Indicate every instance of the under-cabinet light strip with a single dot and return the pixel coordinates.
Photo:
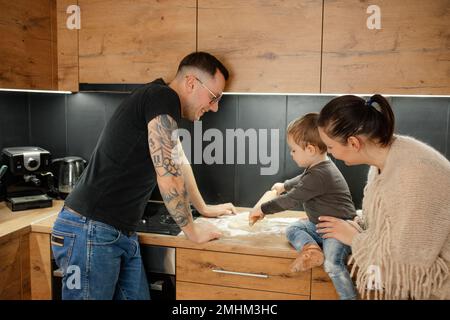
(35, 91)
(333, 94)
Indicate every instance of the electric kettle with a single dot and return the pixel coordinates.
(68, 170)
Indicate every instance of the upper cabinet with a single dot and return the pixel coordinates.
(134, 41)
(298, 46)
(26, 46)
(408, 54)
(66, 28)
(268, 46)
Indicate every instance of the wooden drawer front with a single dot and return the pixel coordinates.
(256, 272)
(196, 291)
(10, 279)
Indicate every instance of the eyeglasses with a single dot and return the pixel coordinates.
(215, 98)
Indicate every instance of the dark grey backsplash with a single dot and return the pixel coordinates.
(14, 119)
(72, 124)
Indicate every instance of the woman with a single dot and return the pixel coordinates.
(403, 251)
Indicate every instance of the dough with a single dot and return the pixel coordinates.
(240, 221)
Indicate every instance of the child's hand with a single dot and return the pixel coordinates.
(278, 187)
(255, 215)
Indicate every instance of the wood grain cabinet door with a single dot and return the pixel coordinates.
(241, 271)
(66, 45)
(10, 269)
(26, 45)
(134, 41)
(409, 54)
(268, 46)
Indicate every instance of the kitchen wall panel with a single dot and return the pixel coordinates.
(260, 112)
(48, 128)
(111, 101)
(14, 120)
(85, 121)
(40, 119)
(423, 118)
(270, 46)
(216, 181)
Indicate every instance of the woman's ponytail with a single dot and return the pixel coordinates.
(350, 115)
(385, 129)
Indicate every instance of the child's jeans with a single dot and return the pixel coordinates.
(303, 232)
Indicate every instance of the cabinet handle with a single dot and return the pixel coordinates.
(256, 275)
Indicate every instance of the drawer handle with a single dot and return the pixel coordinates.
(256, 275)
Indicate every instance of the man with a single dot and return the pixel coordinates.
(94, 239)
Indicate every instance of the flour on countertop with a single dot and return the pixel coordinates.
(237, 225)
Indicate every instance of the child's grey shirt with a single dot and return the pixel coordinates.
(323, 191)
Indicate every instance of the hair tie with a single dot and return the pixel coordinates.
(369, 102)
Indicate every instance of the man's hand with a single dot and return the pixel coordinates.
(278, 187)
(336, 228)
(255, 215)
(201, 232)
(212, 211)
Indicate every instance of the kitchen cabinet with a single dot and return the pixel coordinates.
(14, 266)
(25, 266)
(264, 262)
(307, 46)
(25, 270)
(131, 41)
(66, 46)
(269, 46)
(196, 291)
(203, 274)
(40, 266)
(26, 47)
(232, 270)
(410, 54)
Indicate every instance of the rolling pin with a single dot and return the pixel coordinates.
(269, 195)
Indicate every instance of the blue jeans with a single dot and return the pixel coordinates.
(97, 260)
(303, 232)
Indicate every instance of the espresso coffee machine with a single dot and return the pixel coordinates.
(27, 178)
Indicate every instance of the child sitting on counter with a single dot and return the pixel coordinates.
(323, 191)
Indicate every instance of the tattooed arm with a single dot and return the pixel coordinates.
(164, 151)
(194, 194)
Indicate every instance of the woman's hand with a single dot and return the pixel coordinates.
(212, 211)
(331, 227)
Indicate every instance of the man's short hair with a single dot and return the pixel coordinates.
(304, 131)
(205, 62)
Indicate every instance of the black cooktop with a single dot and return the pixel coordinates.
(157, 219)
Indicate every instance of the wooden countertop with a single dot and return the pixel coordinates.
(256, 244)
(12, 222)
(42, 220)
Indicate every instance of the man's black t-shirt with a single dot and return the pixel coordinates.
(116, 185)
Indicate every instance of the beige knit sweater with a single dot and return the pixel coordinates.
(406, 222)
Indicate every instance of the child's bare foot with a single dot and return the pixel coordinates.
(311, 256)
